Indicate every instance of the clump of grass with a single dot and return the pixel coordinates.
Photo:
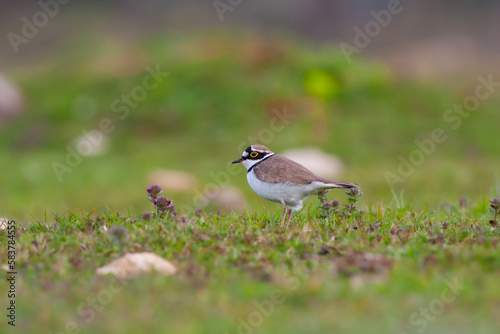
(495, 210)
(327, 209)
(351, 208)
(164, 206)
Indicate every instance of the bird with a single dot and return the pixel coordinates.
(279, 179)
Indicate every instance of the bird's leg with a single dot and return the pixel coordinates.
(288, 220)
(285, 211)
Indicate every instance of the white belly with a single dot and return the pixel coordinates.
(292, 195)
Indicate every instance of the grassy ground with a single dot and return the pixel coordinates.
(387, 270)
(427, 264)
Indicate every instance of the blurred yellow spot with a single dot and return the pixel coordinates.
(321, 84)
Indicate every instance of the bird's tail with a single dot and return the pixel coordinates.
(347, 185)
(337, 184)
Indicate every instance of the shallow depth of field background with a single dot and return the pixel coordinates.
(272, 72)
(224, 80)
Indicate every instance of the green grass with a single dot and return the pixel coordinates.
(372, 272)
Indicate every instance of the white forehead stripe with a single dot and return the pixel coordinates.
(245, 154)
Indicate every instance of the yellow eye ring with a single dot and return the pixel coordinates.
(254, 155)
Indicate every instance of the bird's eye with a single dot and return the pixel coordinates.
(254, 155)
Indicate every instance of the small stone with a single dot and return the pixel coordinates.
(318, 162)
(92, 143)
(3, 223)
(227, 199)
(133, 264)
(11, 100)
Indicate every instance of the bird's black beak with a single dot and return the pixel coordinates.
(237, 161)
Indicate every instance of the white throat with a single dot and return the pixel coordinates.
(249, 163)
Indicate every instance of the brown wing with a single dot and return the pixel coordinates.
(278, 169)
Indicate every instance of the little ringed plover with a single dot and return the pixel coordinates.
(282, 180)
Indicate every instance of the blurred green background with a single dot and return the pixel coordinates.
(267, 72)
(226, 82)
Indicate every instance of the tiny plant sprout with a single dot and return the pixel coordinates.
(153, 192)
(495, 210)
